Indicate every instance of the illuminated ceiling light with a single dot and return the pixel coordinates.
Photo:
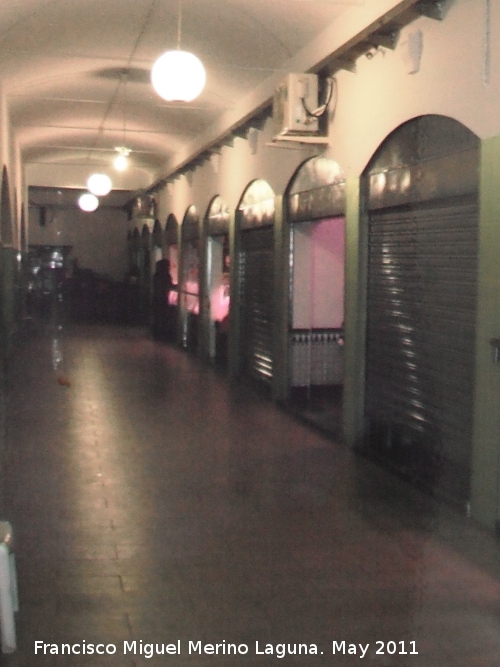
(99, 185)
(88, 202)
(120, 162)
(178, 76)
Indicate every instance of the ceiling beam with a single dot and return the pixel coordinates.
(101, 130)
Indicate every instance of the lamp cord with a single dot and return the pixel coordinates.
(124, 84)
(179, 26)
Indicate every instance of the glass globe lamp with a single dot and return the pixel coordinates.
(178, 76)
(99, 185)
(120, 162)
(88, 202)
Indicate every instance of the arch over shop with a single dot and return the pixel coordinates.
(316, 190)
(217, 216)
(190, 228)
(423, 221)
(171, 230)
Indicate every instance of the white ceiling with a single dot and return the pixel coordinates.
(76, 72)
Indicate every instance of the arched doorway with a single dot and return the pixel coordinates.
(215, 301)
(189, 284)
(422, 210)
(256, 256)
(315, 208)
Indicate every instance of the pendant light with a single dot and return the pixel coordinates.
(120, 163)
(99, 185)
(88, 202)
(178, 76)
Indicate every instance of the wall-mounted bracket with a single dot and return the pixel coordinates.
(346, 64)
(228, 141)
(388, 39)
(241, 132)
(433, 9)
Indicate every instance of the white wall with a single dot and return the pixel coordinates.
(372, 102)
(98, 238)
(318, 274)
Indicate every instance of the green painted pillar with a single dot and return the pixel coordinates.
(4, 329)
(234, 343)
(179, 335)
(7, 325)
(486, 432)
(203, 295)
(355, 312)
(8, 270)
(281, 302)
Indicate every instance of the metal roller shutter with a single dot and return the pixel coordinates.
(421, 306)
(257, 286)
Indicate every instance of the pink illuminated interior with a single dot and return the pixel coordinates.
(190, 278)
(219, 278)
(172, 255)
(173, 296)
(318, 274)
(191, 296)
(219, 303)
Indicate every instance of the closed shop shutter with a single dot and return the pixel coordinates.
(421, 307)
(256, 282)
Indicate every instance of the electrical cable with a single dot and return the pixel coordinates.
(321, 110)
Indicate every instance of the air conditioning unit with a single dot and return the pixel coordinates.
(296, 93)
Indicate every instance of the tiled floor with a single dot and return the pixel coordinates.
(153, 502)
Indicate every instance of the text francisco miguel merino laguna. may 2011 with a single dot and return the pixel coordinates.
(148, 650)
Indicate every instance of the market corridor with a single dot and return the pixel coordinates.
(153, 501)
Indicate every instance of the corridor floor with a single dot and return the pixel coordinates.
(153, 502)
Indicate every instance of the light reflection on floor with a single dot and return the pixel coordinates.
(153, 501)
